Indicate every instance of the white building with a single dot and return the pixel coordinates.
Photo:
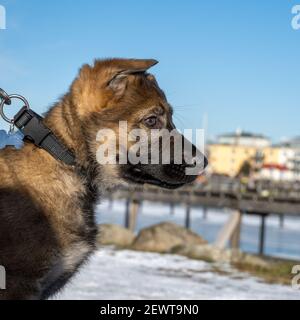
(244, 139)
(281, 162)
(277, 173)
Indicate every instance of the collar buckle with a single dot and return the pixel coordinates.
(31, 126)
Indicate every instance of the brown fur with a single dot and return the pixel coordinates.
(47, 227)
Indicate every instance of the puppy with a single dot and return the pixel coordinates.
(47, 225)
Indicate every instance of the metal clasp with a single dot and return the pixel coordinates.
(7, 100)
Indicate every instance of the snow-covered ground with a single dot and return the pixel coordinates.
(114, 274)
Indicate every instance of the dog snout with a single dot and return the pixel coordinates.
(200, 162)
(193, 157)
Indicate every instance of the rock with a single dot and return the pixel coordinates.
(255, 261)
(211, 253)
(163, 237)
(112, 234)
(207, 253)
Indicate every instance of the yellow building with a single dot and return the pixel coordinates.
(228, 159)
(272, 155)
(231, 151)
(282, 155)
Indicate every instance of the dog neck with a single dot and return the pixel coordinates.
(64, 122)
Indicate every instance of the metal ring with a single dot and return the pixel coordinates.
(12, 96)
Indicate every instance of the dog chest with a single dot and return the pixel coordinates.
(75, 255)
(63, 268)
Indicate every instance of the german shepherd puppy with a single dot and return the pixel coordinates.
(47, 226)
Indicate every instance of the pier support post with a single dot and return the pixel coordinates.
(204, 213)
(172, 208)
(127, 206)
(230, 231)
(281, 221)
(262, 234)
(132, 208)
(110, 203)
(236, 234)
(188, 216)
(140, 206)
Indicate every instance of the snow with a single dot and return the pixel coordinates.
(123, 274)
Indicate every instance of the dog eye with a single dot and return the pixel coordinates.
(151, 121)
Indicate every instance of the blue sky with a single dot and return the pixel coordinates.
(236, 61)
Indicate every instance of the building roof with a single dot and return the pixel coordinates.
(292, 143)
(243, 134)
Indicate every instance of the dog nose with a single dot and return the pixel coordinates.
(205, 162)
(199, 161)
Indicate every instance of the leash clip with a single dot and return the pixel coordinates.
(7, 100)
(33, 129)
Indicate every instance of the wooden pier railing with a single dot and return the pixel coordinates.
(230, 196)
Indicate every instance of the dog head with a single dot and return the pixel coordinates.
(117, 101)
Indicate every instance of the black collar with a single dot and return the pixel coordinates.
(31, 125)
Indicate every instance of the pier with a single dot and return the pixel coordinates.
(232, 196)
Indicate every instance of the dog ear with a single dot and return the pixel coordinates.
(118, 81)
(132, 66)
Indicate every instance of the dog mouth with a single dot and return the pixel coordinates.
(136, 175)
